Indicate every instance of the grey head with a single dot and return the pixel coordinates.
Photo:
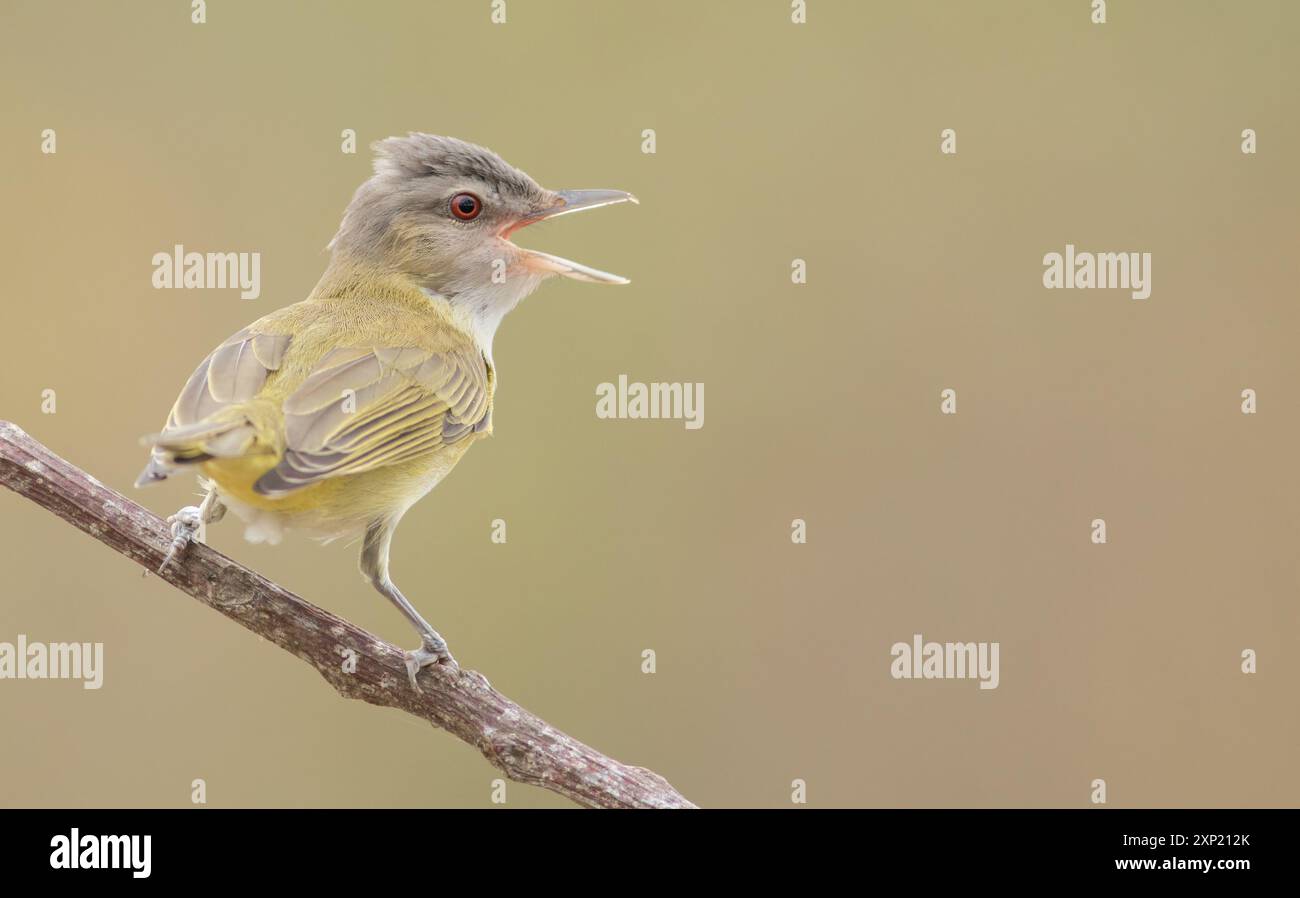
(441, 212)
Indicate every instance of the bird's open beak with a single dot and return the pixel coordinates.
(569, 201)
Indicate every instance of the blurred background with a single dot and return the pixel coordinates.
(775, 141)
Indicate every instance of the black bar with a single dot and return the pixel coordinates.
(213, 846)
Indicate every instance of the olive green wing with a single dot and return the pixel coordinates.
(232, 373)
(363, 408)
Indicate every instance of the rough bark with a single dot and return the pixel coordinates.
(522, 745)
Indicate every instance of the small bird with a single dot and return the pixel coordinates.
(334, 415)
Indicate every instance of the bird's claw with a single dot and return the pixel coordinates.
(431, 651)
(185, 524)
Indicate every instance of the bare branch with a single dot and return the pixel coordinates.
(525, 747)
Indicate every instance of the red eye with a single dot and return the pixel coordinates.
(466, 206)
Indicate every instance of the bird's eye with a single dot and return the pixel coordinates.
(466, 206)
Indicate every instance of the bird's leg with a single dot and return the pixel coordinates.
(433, 648)
(188, 522)
(374, 567)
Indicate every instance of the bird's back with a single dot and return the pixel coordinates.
(333, 411)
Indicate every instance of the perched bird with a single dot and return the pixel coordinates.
(333, 416)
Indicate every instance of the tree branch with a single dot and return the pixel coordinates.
(525, 747)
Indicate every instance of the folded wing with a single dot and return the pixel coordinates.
(364, 408)
(196, 429)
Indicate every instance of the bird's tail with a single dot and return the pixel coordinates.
(179, 447)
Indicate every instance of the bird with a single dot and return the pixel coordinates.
(333, 416)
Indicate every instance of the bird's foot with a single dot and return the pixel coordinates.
(432, 650)
(185, 526)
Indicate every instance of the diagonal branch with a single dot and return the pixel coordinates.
(525, 747)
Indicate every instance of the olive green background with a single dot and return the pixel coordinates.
(775, 142)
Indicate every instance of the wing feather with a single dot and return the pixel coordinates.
(366, 407)
(233, 372)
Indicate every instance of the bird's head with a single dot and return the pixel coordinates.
(441, 211)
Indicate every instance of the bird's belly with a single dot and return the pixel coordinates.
(333, 507)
